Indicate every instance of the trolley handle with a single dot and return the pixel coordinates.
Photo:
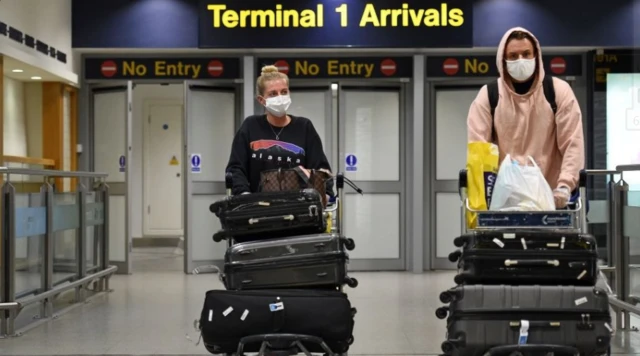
(577, 209)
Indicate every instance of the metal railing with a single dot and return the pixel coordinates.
(623, 227)
(35, 242)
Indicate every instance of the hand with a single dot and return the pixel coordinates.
(561, 196)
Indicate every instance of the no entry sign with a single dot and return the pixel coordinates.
(485, 66)
(162, 68)
(215, 68)
(388, 67)
(450, 66)
(558, 65)
(108, 68)
(282, 66)
(341, 67)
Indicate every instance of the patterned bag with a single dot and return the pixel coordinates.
(281, 180)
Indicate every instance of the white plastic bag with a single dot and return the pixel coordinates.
(521, 188)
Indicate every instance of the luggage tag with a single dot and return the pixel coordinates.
(274, 307)
(524, 332)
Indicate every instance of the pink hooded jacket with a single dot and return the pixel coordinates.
(525, 124)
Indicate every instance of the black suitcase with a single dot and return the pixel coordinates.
(229, 316)
(264, 215)
(526, 257)
(535, 319)
(302, 261)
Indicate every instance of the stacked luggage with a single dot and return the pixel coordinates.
(525, 291)
(285, 266)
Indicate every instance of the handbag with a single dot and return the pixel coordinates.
(282, 180)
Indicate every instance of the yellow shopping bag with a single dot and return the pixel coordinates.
(482, 168)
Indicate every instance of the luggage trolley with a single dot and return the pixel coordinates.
(280, 344)
(573, 219)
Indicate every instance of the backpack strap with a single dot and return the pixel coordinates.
(550, 92)
(494, 95)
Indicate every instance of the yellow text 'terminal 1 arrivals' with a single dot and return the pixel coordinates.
(312, 18)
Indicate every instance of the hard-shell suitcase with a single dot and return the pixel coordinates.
(264, 215)
(300, 261)
(229, 316)
(526, 257)
(530, 318)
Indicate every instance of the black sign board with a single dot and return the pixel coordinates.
(614, 62)
(342, 67)
(162, 68)
(335, 24)
(485, 66)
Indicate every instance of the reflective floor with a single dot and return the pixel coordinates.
(152, 312)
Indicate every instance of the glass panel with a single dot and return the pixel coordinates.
(92, 243)
(312, 105)
(632, 230)
(109, 133)
(372, 134)
(373, 221)
(29, 249)
(452, 108)
(448, 223)
(202, 229)
(65, 225)
(211, 121)
(117, 238)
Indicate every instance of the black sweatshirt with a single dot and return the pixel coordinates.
(255, 149)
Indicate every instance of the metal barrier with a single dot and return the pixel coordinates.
(35, 240)
(623, 219)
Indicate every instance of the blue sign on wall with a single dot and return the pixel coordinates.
(334, 23)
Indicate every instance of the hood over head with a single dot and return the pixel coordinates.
(538, 74)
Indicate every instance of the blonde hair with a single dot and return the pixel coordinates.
(268, 74)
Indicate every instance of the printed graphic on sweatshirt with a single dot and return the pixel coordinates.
(276, 151)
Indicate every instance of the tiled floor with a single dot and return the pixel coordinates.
(152, 312)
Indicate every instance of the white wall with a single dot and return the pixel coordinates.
(33, 116)
(47, 20)
(141, 94)
(15, 129)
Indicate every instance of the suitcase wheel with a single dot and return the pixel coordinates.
(442, 312)
(458, 279)
(446, 297)
(459, 241)
(349, 244)
(455, 256)
(351, 282)
(447, 347)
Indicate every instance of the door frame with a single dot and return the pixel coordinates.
(439, 186)
(191, 188)
(146, 158)
(334, 110)
(116, 188)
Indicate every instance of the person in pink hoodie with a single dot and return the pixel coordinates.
(523, 123)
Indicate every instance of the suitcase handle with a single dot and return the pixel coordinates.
(526, 348)
(532, 263)
(271, 218)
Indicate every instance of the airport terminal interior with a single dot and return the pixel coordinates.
(100, 101)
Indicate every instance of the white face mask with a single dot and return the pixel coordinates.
(521, 69)
(278, 105)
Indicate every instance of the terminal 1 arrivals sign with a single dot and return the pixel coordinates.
(485, 66)
(162, 68)
(335, 24)
(341, 67)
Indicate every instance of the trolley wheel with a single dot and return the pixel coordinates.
(349, 244)
(446, 297)
(352, 282)
(442, 312)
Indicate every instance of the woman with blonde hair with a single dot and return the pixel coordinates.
(275, 139)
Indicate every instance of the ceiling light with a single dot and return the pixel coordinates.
(17, 71)
(36, 78)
